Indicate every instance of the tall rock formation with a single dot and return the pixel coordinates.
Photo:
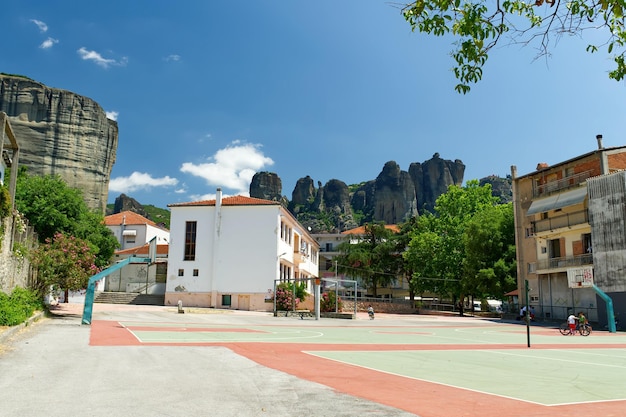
(62, 133)
(433, 177)
(126, 203)
(266, 185)
(394, 195)
(500, 187)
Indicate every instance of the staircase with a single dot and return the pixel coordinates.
(129, 298)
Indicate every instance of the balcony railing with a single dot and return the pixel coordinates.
(551, 187)
(561, 263)
(566, 220)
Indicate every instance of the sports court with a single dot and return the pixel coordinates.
(426, 365)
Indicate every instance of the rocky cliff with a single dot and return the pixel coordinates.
(393, 197)
(61, 133)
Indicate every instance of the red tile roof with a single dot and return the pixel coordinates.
(361, 230)
(128, 218)
(238, 200)
(143, 250)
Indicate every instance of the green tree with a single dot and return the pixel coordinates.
(478, 27)
(64, 262)
(436, 252)
(51, 206)
(490, 266)
(370, 257)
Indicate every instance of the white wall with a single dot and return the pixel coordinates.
(162, 235)
(241, 258)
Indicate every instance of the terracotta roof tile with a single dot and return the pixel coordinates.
(128, 218)
(361, 230)
(238, 200)
(143, 250)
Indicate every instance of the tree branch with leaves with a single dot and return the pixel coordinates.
(478, 26)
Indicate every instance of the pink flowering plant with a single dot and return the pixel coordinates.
(285, 295)
(329, 301)
(65, 262)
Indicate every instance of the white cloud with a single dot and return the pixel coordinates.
(112, 115)
(48, 43)
(172, 57)
(41, 25)
(232, 167)
(99, 59)
(139, 181)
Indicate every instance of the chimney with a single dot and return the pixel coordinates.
(218, 198)
(599, 139)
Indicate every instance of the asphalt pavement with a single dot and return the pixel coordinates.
(49, 369)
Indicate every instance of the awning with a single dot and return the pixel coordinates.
(557, 201)
(129, 233)
(512, 293)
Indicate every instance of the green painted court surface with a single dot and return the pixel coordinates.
(492, 358)
(548, 377)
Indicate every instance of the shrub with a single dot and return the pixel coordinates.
(18, 307)
(284, 297)
(327, 303)
(5, 202)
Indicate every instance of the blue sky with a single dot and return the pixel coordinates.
(206, 93)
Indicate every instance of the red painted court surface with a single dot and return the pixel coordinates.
(428, 367)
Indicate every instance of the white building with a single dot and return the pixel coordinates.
(228, 252)
(132, 229)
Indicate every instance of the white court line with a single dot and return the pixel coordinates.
(551, 359)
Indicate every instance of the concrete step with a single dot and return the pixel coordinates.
(129, 298)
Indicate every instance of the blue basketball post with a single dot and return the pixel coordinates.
(91, 285)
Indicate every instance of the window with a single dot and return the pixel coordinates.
(226, 300)
(181, 272)
(190, 241)
(195, 272)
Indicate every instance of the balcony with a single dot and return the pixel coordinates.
(544, 266)
(558, 222)
(544, 190)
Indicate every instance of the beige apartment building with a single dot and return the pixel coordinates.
(556, 236)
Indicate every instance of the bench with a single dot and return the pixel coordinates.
(302, 313)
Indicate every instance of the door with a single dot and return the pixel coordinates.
(243, 302)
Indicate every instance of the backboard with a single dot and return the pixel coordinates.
(580, 277)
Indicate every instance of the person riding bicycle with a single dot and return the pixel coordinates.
(571, 322)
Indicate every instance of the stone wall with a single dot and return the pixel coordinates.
(380, 307)
(15, 242)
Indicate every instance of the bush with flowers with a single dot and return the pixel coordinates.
(285, 295)
(328, 303)
(65, 262)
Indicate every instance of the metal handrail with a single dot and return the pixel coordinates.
(566, 220)
(552, 187)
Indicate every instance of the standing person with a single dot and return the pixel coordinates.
(370, 312)
(571, 322)
(582, 319)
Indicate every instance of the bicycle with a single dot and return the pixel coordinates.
(583, 329)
